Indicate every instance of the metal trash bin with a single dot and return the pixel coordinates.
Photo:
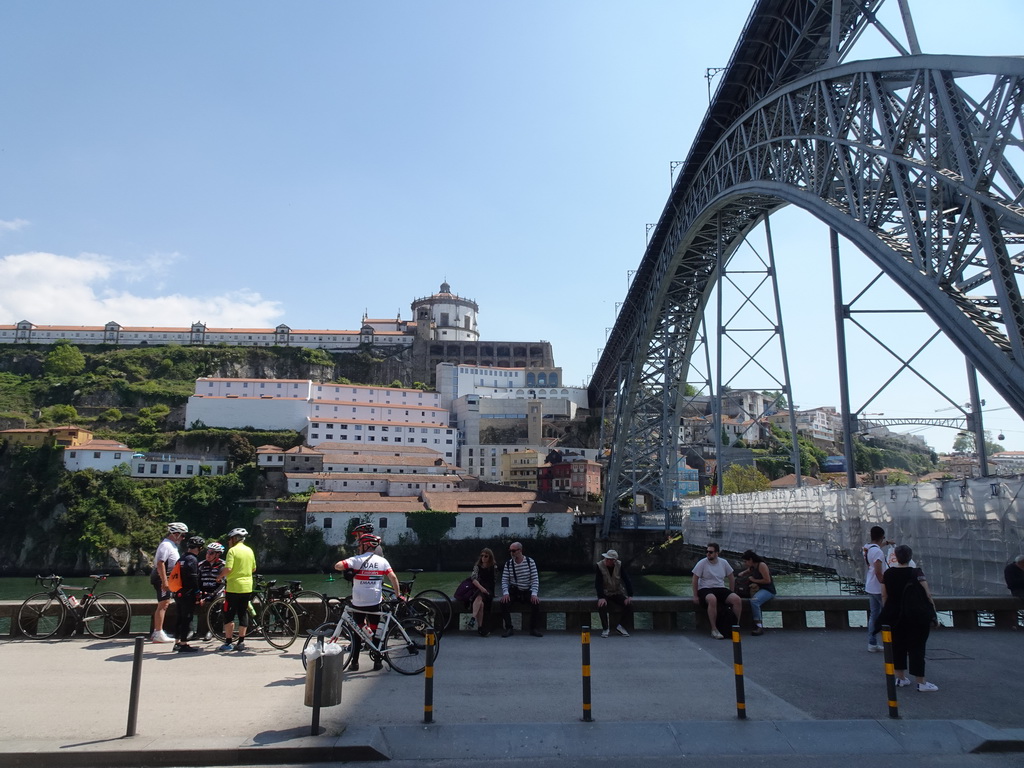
(330, 684)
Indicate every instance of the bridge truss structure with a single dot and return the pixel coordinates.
(917, 160)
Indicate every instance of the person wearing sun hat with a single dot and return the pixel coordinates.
(613, 586)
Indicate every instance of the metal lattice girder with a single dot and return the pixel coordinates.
(911, 159)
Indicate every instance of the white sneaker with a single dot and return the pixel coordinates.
(605, 632)
(717, 635)
(927, 687)
(903, 682)
(161, 637)
(875, 648)
(622, 631)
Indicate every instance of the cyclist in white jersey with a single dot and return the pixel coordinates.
(367, 570)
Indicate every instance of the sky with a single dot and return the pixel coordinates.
(245, 164)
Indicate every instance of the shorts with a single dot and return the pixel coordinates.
(721, 593)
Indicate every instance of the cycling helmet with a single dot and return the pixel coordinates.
(239, 532)
(196, 542)
(215, 546)
(362, 528)
(177, 528)
(369, 539)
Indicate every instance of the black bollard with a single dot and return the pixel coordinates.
(890, 673)
(428, 679)
(737, 662)
(585, 642)
(133, 696)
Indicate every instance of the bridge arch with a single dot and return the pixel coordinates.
(904, 158)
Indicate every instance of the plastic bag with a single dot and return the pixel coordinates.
(332, 649)
(312, 652)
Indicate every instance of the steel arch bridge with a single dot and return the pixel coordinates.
(916, 159)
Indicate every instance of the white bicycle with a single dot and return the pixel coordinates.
(402, 643)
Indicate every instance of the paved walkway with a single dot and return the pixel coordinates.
(654, 695)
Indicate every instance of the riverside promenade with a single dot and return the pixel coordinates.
(670, 696)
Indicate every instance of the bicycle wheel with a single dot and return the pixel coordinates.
(311, 607)
(280, 624)
(215, 618)
(344, 639)
(109, 615)
(421, 608)
(442, 604)
(406, 646)
(41, 616)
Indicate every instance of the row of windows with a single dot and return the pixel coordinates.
(373, 439)
(384, 427)
(478, 522)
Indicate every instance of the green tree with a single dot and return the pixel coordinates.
(964, 442)
(60, 414)
(429, 525)
(740, 479)
(65, 359)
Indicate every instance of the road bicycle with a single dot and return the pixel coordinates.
(271, 617)
(431, 604)
(401, 642)
(105, 615)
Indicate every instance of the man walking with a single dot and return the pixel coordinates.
(874, 558)
(237, 573)
(709, 590)
(613, 586)
(520, 583)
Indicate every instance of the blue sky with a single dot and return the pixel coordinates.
(251, 163)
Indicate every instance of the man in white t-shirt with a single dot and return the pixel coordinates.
(709, 588)
(874, 558)
(367, 571)
(163, 563)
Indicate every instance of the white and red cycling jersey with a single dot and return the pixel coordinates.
(370, 571)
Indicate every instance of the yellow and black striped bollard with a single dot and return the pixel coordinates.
(428, 679)
(890, 673)
(737, 663)
(585, 641)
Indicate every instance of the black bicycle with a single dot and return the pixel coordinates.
(271, 617)
(105, 615)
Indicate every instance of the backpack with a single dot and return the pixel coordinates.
(174, 578)
(915, 607)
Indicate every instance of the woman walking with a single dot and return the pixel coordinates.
(756, 572)
(908, 608)
(483, 580)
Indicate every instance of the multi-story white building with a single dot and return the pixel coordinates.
(107, 455)
(483, 516)
(325, 413)
(457, 380)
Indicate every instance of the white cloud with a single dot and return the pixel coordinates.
(50, 289)
(13, 226)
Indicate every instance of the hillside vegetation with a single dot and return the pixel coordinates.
(76, 522)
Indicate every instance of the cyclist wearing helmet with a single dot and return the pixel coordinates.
(364, 528)
(164, 560)
(368, 572)
(239, 567)
(210, 583)
(185, 598)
